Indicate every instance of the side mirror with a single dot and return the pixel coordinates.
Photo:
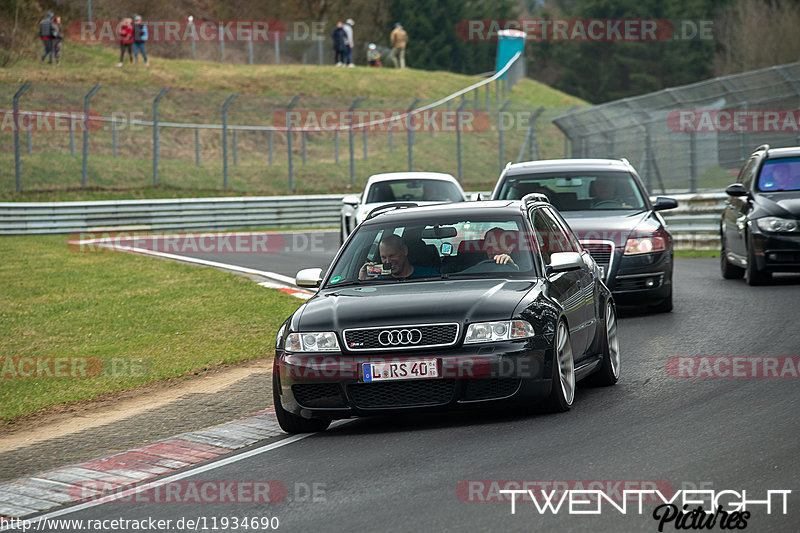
(351, 199)
(663, 203)
(475, 197)
(308, 277)
(737, 189)
(564, 262)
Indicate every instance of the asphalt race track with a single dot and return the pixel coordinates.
(429, 473)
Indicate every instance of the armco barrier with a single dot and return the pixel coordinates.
(694, 223)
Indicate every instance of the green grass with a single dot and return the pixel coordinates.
(198, 91)
(168, 317)
(696, 253)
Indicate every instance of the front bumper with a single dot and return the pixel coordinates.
(332, 387)
(776, 252)
(641, 279)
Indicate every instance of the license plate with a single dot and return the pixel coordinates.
(399, 370)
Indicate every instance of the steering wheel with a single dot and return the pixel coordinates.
(615, 203)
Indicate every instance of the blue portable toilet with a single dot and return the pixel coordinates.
(509, 42)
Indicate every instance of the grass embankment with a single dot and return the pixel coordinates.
(263, 90)
(123, 319)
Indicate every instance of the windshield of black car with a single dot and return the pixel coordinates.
(413, 190)
(475, 247)
(780, 175)
(578, 191)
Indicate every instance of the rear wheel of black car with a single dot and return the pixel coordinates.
(729, 271)
(291, 423)
(562, 391)
(752, 274)
(608, 374)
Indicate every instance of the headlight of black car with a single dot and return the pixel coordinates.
(498, 331)
(778, 224)
(324, 341)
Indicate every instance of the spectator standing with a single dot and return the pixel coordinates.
(139, 39)
(46, 34)
(399, 40)
(57, 39)
(339, 39)
(351, 43)
(125, 40)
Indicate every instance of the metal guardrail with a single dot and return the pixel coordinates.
(694, 223)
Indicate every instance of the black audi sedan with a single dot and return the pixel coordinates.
(445, 307)
(607, 206)
(760, 227)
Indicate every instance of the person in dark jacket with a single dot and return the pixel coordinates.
(125, 40)
(57, 39)
(139, 39)
(339, 39)
(46, 35)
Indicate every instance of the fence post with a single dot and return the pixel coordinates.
(29, 139)
(410, 122)
(336, 145)
(277, 49)
(488, 97)
(225, 140)
(71, 136)
(235, 149)
(458, 140)
(352, 155)
(197, 147)
(86, 100)
(113, 137)
(17, 170)
(304, 137)
(365, 144)
(270, 147)
(391, 136)
(289, 139)
(250, 50)
(500, 132)
(156, 141)
(319, 51)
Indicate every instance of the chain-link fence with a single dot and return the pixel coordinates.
(135, 137)
(693, 137)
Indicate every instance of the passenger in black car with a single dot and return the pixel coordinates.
(498, 247)
(394, 252)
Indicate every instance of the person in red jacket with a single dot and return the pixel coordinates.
(125, 40)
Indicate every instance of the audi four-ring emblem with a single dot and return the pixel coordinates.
(399, 337)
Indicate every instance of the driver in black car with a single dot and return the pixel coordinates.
(604, 192)
(497, 247)
(394, 252)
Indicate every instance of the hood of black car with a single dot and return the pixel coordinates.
(782, 204)
(414, 302)
(613, 226)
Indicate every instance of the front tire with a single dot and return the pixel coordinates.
(608, 374)
(290, 422)
(729, 271)
(562, 391)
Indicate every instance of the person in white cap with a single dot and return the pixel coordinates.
(348, 49)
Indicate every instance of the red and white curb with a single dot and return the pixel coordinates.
(69, 484)
(277, 281)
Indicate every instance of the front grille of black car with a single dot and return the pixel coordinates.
(432, 335)
(639, 282)
(318, 395)
(490, 388)
(601, 252)
(412, 393)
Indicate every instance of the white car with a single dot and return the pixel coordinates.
(421, 188)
